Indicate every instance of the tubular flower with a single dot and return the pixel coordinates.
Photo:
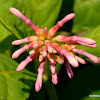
(55, 49)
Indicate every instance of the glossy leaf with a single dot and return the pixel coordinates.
(87, 15)
(6, 38)
(14, 85)
(4, 32)
(94, 34)
(41, 12)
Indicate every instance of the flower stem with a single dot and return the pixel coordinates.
(51, 91)
(50, 88)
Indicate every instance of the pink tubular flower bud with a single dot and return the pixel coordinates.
(88, 45)
(59, 24)
(60, 38)
(45, 33)
(38, 83)
(81, 41)
(54, 78)
(68, 68)
(32, 38)
(56, 47)
(25, 40)
(44, 51)
(48, 45)
(23, 64)
(90, 56)
(26, 20)
(37, 44)
(70, 58)
(65, 19)
(80, 60)
(34, 51)
(18, 42)
(53, 68)
(21, 50)
(85, 40)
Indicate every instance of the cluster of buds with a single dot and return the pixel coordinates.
(55, 49)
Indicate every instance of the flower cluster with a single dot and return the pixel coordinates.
(55, 49)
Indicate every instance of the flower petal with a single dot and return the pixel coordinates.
(38, 83)
(23, 64)
(90, 56)
(26, 20)
(68, 68)
(69, 57)
(59, 24)
(54, 78)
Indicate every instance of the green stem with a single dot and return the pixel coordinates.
(51, 91)
(50, 88)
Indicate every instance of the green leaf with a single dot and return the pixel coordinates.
(14, 85)
(6, 44)
(87, 15)
(6, 38)
(42, 13)
(4, 32)
(94, 34)
(85, 82)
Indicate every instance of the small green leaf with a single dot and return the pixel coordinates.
(42, 13)
(87, 15)
(94, 34)
(14, 85)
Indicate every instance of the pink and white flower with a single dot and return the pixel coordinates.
(55, 49)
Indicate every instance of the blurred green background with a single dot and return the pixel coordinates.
(20, 85)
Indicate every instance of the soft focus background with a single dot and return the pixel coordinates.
(20, 85)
